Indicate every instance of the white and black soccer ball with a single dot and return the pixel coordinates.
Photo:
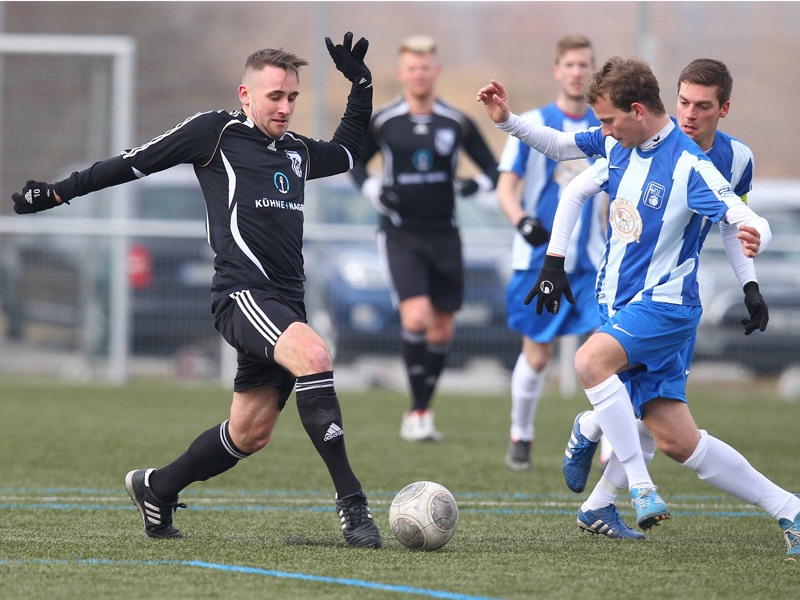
(423, 515)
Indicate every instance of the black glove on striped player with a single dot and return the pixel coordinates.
(533, 231)
(756, 307)
(349, 59)
(550, 286)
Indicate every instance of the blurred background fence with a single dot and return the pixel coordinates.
(116, 285)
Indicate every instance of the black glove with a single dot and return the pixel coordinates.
(550, 285)
(532, 231)
(349, 59)
(36, 196)
(466, 187)
(759, 313)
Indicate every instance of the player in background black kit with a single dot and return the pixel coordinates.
(252, 171)
(420, 137)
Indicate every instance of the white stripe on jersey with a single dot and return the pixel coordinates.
(667, 251)
(231, 177)
(256, 316)
(237, 236)
(134, 151)
(630, 189)
(742, 157)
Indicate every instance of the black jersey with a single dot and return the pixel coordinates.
(420, 157)
(253, 187)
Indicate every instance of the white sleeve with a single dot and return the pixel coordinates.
(743, 267)
(553, 143)
(574, 196)
(741, 214)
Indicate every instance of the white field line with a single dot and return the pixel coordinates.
(294, 500)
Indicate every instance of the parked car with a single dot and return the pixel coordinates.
(720, 335)
(63, 280)
(348, 295)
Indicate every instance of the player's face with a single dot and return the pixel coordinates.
(625, 127)
(268, 97)
(571, 70)
(699, 112)
(417, 73)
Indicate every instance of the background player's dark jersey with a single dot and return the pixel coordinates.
(420, 157)
(253, 188)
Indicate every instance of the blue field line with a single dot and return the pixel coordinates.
(212, 492)
(359, 583)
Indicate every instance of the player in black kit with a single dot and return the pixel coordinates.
(252, 171)
(420, 137)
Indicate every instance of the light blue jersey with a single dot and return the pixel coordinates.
(544, 179)
(659, 199)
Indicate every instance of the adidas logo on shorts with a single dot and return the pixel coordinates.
(333, 431)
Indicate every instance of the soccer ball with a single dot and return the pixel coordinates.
(423, 516)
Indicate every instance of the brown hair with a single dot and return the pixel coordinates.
(287, 61)
(625, 81)
(573, 42)
(707, 71)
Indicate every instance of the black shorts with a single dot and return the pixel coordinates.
(425, 263)
(252, 321)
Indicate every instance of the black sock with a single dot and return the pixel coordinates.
(211, 453)
(436, 355)
(321, 417)
(415, 356)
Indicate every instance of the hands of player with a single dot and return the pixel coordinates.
(751, 241)
(533, 231)
(495, 99)
(349, 59)
(466, 187)
(550, 286)
(371, 188)
(36, 196)
(756, 307)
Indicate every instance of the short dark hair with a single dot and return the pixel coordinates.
(625, 81)
(707, 71)
(572, 42)
(280, 58)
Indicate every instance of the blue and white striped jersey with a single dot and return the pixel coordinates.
(735, 161)
(659, 199)
(544, 179)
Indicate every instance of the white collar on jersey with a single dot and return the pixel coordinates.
(657, 138)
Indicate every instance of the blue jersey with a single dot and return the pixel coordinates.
(544, 179)
(659, 199)
(735, 161)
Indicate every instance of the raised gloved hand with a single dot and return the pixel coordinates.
(550, 286)
(756, 307)
(349, 59)
(36, 196)
(532, 231)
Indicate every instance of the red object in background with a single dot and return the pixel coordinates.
(140, 267)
